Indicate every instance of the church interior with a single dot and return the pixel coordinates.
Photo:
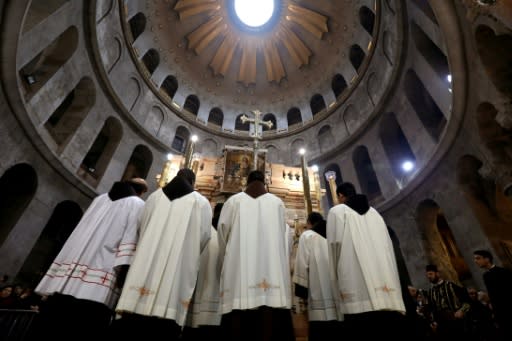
(409, 100)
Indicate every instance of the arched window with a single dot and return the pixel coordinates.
(271, 118)
(239, 125)
(366, 173)
(39, 11)
(356, 56)
(170, 86)
(180, 139)
(431, 52)
(424, 6)
(137, 25)
(68, 116)
(338, 84)
(424, 105)
(317, 104)
(192, 104)
(216, 117)
(18, 184)
(139, 164)
(99, 155)
(294, 116)
(151, 60)
(396, 147)
(367, 19)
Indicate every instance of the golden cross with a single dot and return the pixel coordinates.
(256, 134)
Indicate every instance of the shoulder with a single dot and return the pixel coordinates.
(201, 199)
(308, 234)
(338, 209)
(272, 197)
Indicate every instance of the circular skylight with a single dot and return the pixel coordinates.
(254, 13)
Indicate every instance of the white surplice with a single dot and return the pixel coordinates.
(163, 275)
(105, 238)
(205, 309)
(253, 246)
(312, 272)
(364, 270)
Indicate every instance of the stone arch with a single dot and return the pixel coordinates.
(294, 116)
(434, 56)
(192, 104)
(424, 6)
(133, 90)
(440, 245)
(180, 139)
(395, 145)
(295, 146)
(388, 46)
(40, 11)
(325, 138)
(338, 85)
(317, 104)
(366, 173)
(137, 25)
(496, 55)
(216, 117)
(270, 117)
(139, 163)
(330, 188)
(356, 56)
(19, 185)
(116, 52)
(424, 106)
(69, 115)
(367, 19)
(272, 153)
(170, 86)
(105, 8)
(151, 60)
(65, 217)
(154, 120)
(46, 63)
(100, 153)
(372, 87)
(209, 148)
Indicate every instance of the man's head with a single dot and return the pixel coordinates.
(256, 175)
(314, 218)
(472, 293)
(139, 185)
(187, 174)
(345, 191)
(432, 273)
(483, 259)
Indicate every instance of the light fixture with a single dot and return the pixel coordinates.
(407, 166)
(254, 13)
(31, 79)
(169, 157)
(314, 168)
(194, 138)
(449, 78)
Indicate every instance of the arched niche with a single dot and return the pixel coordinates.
(338, 85)
(36, 73)
(366, 173)
(272, 153)
(68, 116)
(39, 11)
(18, 184)
(139, 164)
(192, 104)
(434, 56)
(442, 249)
(294, 116)
(170, 86)
(396, 146)
(216, 117)
(424, 106)
(296, 145)
(62, 222)
(496, 54)
(154, 120)
(151, 60)
(317, 104)
(180, 140)
(367, 19)
(241, 126)
(101, 151)
(272, 118)
(137, 25)
(209, 148)
(356, 56)
(330, 189)
(424, 6)
(325, 138)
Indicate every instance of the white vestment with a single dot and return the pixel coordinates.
(105, 238)
(312, 272)
(205, 309)
(163, 275)
(253, 246)
(364, 270)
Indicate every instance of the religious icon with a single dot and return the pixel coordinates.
(237, 166)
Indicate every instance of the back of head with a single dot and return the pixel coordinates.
(314, 218)
(216, 214)
(484, 254)
(256, 175)
(139, 185)
(187, 174)
(347, 189)
(431, 268)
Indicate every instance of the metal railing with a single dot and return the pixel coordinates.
(15, 323)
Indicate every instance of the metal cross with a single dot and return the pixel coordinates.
(256, 132)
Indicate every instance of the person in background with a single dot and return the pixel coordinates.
(84, 281)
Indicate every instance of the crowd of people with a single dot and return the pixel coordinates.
(171, 266)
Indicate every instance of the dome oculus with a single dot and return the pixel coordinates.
(254, 13)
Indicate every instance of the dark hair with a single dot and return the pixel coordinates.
(485, 254)
(188, 175)
(216, 213)
(347, 189)
(314, 218)
(431, 267)
(256, 175)
(138, 188)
